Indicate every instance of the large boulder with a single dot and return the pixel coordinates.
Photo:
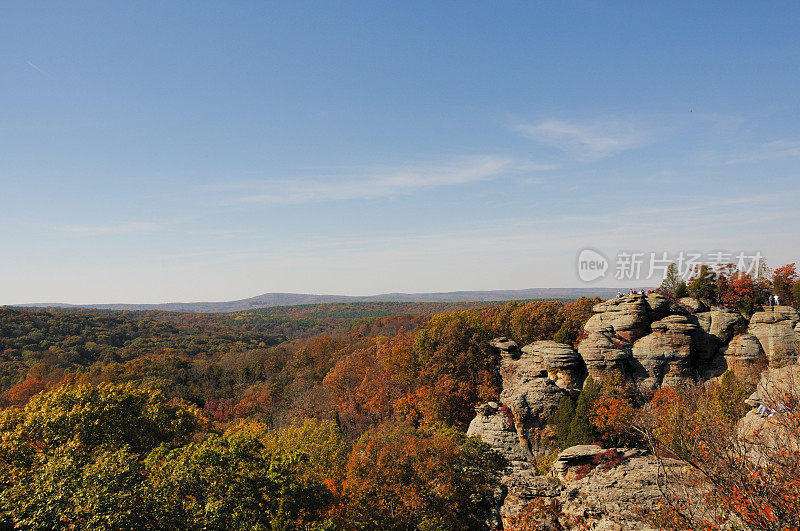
(657, 306)
(770, 433)
(505, 345)
(619, 496)
(589, 487)
(562, 362)
(689, 305)
(628, 316)
(605, 353)
(523, 487)
(575, 457)
(775, 329)
(715, 329)
(774, 385)
(494, 424)
(745, 357)
(530, 394)
(664, 357)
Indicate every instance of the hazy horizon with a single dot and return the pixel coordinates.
(177, 152)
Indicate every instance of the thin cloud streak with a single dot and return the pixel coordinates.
(385, 183)
(772, 150)
(133, 227)
(38, 69)
(589, 140)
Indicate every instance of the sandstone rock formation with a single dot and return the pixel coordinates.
(604, 352)
(690, 305)
(664, 357)
(657, 305)
(497, 428)
(651, 342)
(745, 357)
(591, 491)
(573, 457)
(530, 394)
(715, 330)
(775, 329)
(562, 363)
(628, 316)
(534, 380)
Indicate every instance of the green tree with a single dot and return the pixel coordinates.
(581, 430)
(72, 457)
(682, 290)
(233, 482)
(671, 281)
(565, 335)
(563, 419)
(703, 286)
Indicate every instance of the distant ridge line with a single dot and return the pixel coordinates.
(268, 300)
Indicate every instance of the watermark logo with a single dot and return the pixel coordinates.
(591, 265)
(652, 265)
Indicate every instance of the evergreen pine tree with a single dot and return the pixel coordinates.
(581, 430)
(682, 290)
(565, 335)
(563, 418)
(703, 285)
(671, 281)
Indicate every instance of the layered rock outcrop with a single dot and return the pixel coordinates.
(497, 427)
(604, 352)
(627, 316)
(715, 330)
(652, 343)
(776, 330)
(745, 357)
(534, 380)
(592, 488)
(562, 363)
(664, 357)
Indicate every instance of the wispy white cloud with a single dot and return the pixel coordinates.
(382, 182)
(589, 140)
(772, 150)
(133, 227)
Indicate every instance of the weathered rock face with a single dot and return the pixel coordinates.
(769, 433)
(652, 343)
(497, 428)
(718, 327)
(562, 363)
(715, 329)
(745, 357)
(657, 305)
(690, 305)
(774, 385)
(775, 329)
(505, 345)
(523, 487)
(620, 498)
(530, 394)
(592, 495)
(628, 316)
(568, 460)
(664, 357)
(604, 353)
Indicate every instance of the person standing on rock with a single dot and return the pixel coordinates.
(776, 300)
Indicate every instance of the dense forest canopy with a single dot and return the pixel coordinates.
(342, 416)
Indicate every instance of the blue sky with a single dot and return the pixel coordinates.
(180, 151)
